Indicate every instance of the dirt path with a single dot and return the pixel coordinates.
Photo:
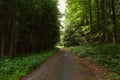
(66, 66)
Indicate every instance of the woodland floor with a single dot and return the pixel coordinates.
(67, 66)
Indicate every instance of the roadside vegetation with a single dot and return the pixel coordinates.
(15, 68)
(105, 54)
(26, 28)
(93, 27)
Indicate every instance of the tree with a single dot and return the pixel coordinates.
(91, 21)
(113, 15)
(27, 27)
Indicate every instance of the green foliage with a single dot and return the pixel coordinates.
(105, 54)
(89, 21)
(114, 76)
(77, 23)
(13, 69)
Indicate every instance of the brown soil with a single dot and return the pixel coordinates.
(67, 66)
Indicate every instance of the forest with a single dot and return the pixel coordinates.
(92, 21)
(26, 27)
(92, 31)
(30, 30)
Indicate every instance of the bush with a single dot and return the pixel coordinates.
(106, 54)
(13, 69)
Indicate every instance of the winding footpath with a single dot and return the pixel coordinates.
(67, 66)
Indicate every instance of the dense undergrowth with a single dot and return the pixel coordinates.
(13, 69)
(106, 54)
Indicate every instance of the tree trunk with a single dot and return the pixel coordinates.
(114, 21)
(90, 13)
(98, 13)
(103, 21)
(2, 44)
(3, 37)
(11, 40)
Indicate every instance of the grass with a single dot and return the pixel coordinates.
(14, 69)
(90, 78)
(106, 54)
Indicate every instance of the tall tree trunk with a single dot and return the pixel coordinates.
(114, 21)
(90, 13)
(2, 44)
(11, 37)
(98, 13)
(3, 37)
(103, 21)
